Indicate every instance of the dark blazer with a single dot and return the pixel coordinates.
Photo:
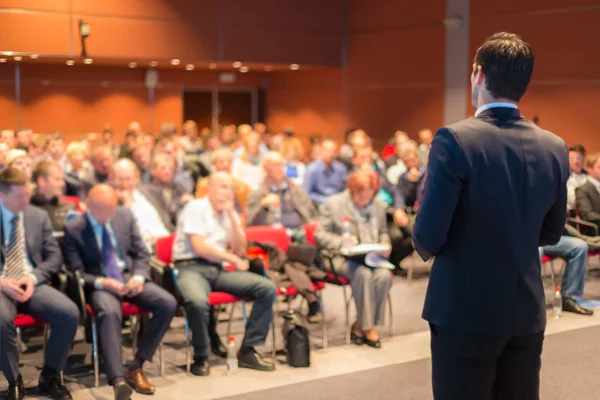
(42, 249)
(83, 254)
(168, 211)
(587, 199)
(495, 192)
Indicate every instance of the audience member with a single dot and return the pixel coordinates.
(31, 260)
(396, 166)
(228, 136)
(55, 148)
(325, 176)
(363, 159)
(406, 190)
(425, 139)
(168, 130)
(101, 160)
(140, 154)
(247, 167)
(578, 176)
(37, 146)
(182, 176)
(205, 229)
(49, 185)
(19, 159)
(105, 247)
(212, 142)
(367, 220)
(587, 195)
(23, 137)
(135, 127)
(131, 138)
(190, 141)
(7, 136)
(292, 151)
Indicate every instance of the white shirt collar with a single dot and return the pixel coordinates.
(495, 105)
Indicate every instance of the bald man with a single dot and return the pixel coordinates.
(105, 247)
(208, 235)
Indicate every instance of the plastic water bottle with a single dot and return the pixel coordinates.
(232, 360)
(346, 236)
(557, 305)
(277, 217)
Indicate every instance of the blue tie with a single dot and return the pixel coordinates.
(109, 257)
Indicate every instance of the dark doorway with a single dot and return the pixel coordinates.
(235, 107)
(197, 106)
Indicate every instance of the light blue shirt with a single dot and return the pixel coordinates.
(97, 228)
(495, 105)
(7, 216)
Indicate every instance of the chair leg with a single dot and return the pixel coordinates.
(347, 310)
(161, 358)
(188, 365)
(95, 353)
(411, 267)
(323, 324)
(45, 346)
(18, 330)
(244, 315)
(274, 328)
(389, 300)
(553, 274)
(135, 329)
(230, 319)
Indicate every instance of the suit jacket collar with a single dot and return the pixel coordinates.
(500, 113)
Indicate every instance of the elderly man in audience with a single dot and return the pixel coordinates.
(425, 139)
(101, 160)
(165, 195)
(30, 260)
(366, 216)
(182, 178)
(140, 154)
(151, 224)
(222, 160)
(325, 176)
(49, 180)
(7, 136)
(208, 235)
(578, 176)
(587, 196)
(23, 137)
(105, 247)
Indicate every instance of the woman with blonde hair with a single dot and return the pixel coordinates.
(293, 151)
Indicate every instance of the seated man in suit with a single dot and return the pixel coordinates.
(105, 246)
(205, 229)
(30, 260)
(587, 196)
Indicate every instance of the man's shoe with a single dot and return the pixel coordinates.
(16, 390)
(571, 305)
(200, 367)
(123, 391)
(315, 315)
(136, 379)
(52, 387)
(249, 358)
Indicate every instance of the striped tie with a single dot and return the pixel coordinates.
(15, 256)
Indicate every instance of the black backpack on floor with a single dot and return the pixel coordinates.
(297, 342)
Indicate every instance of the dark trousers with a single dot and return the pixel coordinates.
(196, 281)
(107, 307)
(47, 304)
(474, 367)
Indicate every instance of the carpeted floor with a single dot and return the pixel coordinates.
(570, 372)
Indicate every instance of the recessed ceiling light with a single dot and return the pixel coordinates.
(2, 60)
(175, 61)
(34, 56)
(294, 67)
(237, 64)
(244, 69)
(18, 58)
(88, 61)
(153, 63)
(212, 66)
(70, 63)
(190, 67)
(8, 53)
(132, 64)
(268, 68)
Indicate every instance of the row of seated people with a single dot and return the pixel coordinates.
(104, 245)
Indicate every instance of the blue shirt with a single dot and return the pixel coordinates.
(321, 182)
(7, 216)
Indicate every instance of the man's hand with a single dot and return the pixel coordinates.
(387, 252)
(186, 197)
(10, 287)
(134, 287)
(241, 264)
(271, 200)
(400, 218)
(414, 174)
(114, 286)
(28, 283)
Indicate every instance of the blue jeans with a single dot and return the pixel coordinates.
(574, 251)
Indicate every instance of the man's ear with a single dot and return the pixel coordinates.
(478, 74)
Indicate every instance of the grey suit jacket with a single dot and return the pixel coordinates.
(168, 211)
(587, 199)
(42, 249)
(330, 227)
(83, 254)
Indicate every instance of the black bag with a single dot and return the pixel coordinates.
(297, 342)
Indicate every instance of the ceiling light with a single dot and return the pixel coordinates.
(237, 64)
(8, 53)
(34, 56)
(2, 60)
(268, 68)
(190, 67)
(244, 69)
(294, 67)
(153, 63)
(88, 61)
(18, 58)
(212, 66)
(132, 64)
(175, 61)
(70, 63)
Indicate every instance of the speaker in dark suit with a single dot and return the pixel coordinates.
(30, 260)
(105, 246)
(495, 192)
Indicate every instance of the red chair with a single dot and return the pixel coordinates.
(388, 151)
(23, 321)
(547, 259)
(73, 200)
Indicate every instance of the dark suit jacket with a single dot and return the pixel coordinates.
(168, 211)
(587, 198)
(83, 254)
(495, 192)
(42, 249)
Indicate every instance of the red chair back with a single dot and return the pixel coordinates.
(265, 234)
(164, 248)
(388, 151)
(73, 200)
(309, 230)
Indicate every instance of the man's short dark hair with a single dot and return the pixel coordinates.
(10, 177)
(578, 148)
(43, 169)
(130, 133)
(507, 62)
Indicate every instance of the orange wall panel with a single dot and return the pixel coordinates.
(390, 15)
(36, 5)
(507, 7)
(150, 9)
(38, 33)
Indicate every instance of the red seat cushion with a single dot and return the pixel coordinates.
(594, 253)
(336, 279)
(546, 259)
(127, 309)
(24, 320)
(216, 298)
(292, 290)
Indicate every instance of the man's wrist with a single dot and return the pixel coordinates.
(98, 284)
